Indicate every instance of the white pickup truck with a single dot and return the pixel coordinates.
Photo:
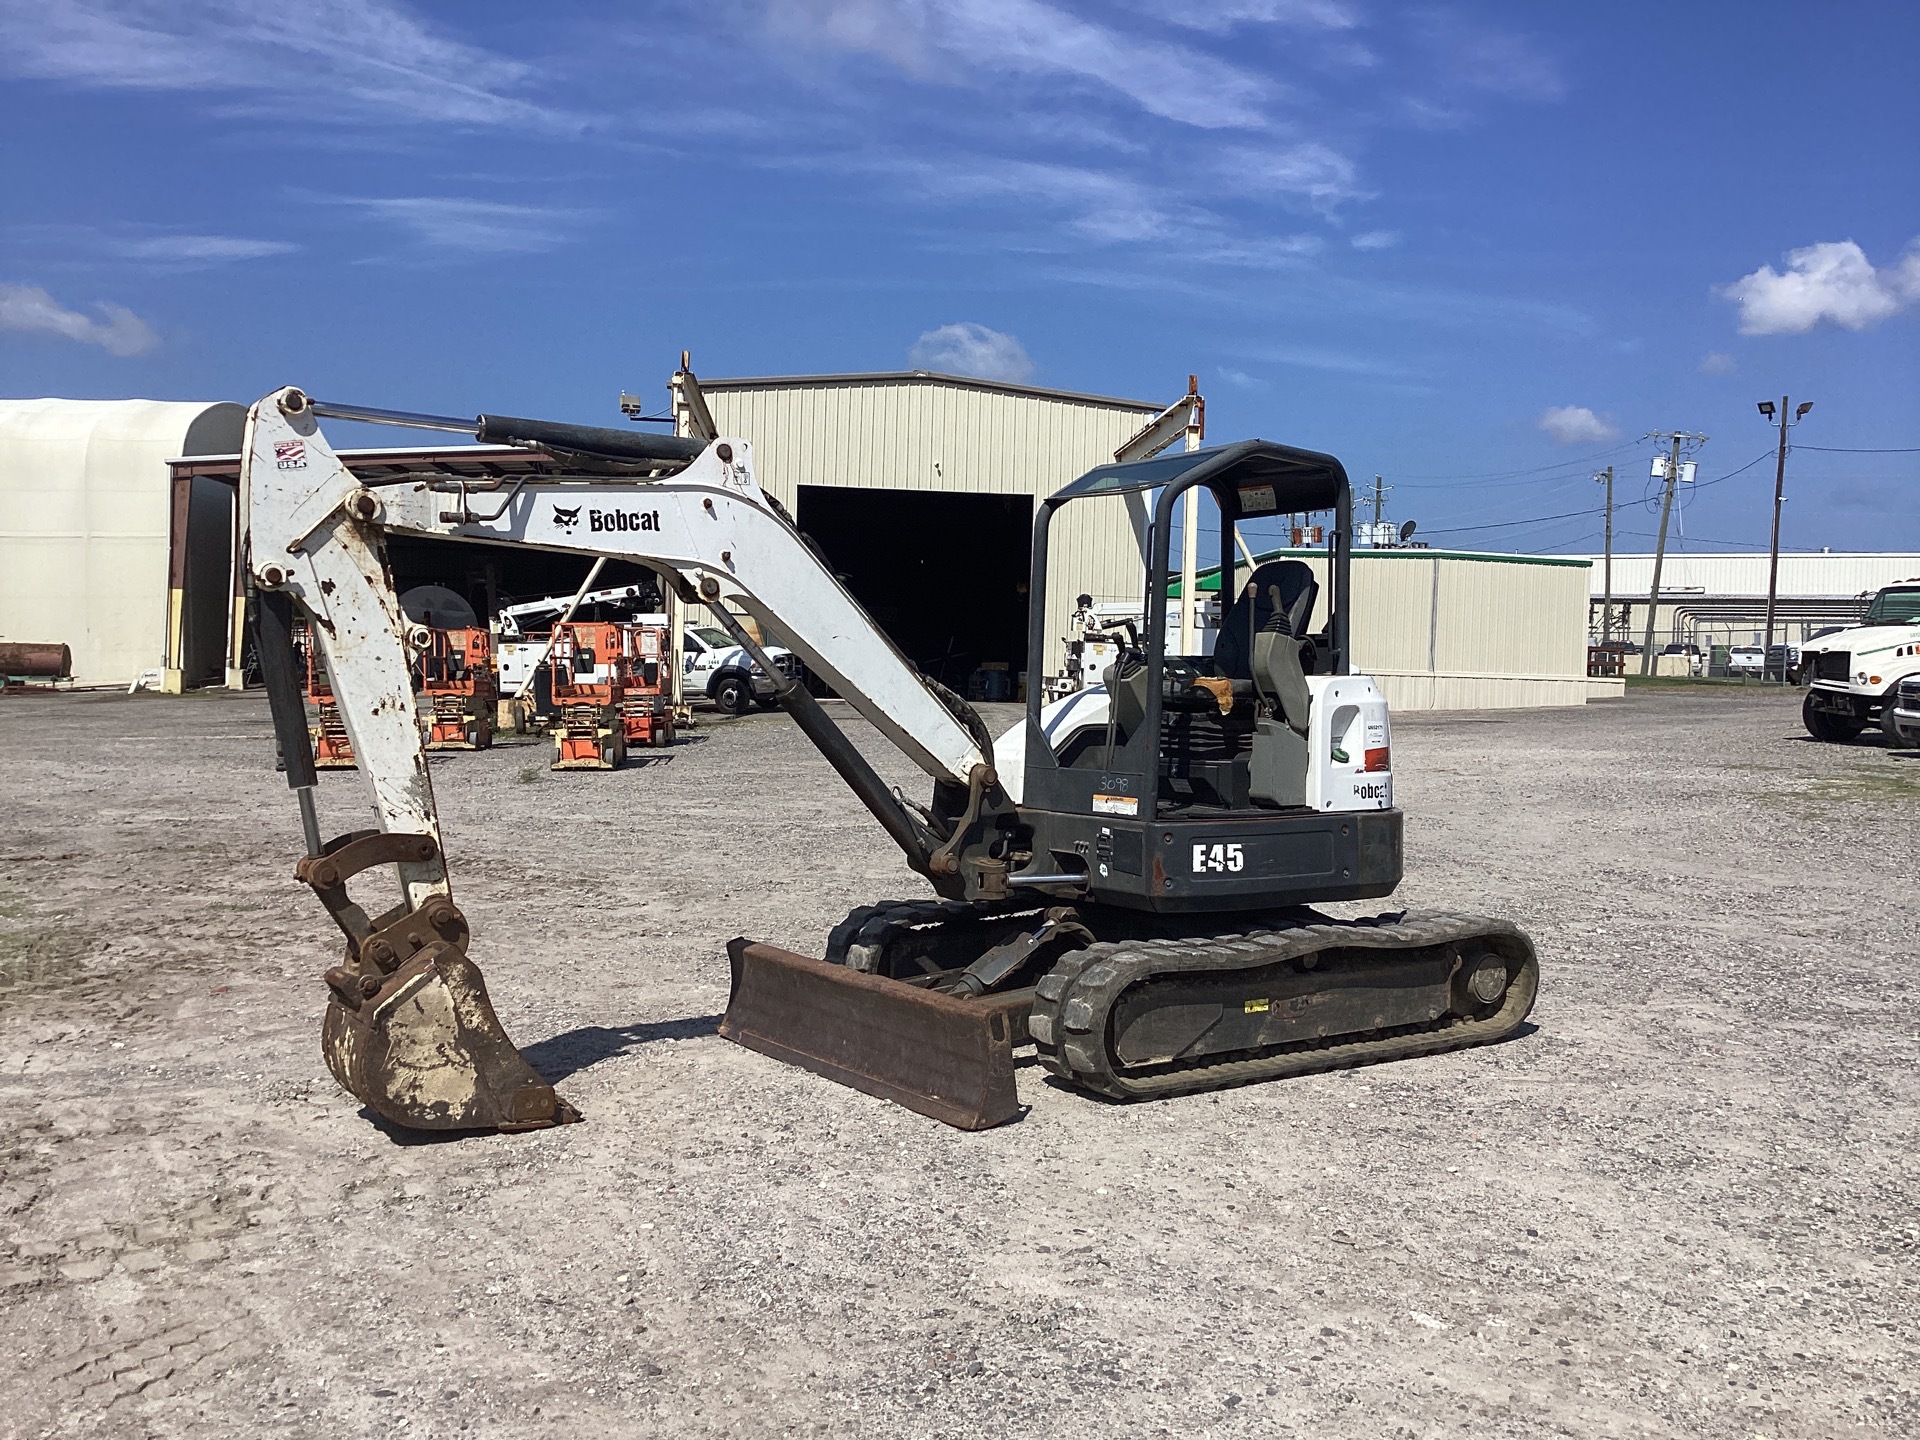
(1852, 675)
(726, 675)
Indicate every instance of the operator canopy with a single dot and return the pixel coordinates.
(1266, 478)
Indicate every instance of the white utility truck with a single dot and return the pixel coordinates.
(713, 665)
(1852, 675)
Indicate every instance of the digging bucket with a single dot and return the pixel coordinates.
(409, 1030)
(427, 1052)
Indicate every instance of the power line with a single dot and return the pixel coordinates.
(1576, 461)
(1855, 450)
(1510, 524)
(1573, 514)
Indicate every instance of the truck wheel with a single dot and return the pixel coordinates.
(733, 694)
(1824, 725)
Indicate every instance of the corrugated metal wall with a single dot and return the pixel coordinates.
(1443, 630)
(1833, 576)
(923, 433)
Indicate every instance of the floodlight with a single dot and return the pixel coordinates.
(1766, 408)
(1800, 412)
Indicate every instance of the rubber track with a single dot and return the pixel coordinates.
(1075, 1000)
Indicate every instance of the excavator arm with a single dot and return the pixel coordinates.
(410, 1029)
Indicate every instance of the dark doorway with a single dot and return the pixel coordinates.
(944, 574)
(493, 575)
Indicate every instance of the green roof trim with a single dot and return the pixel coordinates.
(1207, 582)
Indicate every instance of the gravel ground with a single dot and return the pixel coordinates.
(1683, 1203)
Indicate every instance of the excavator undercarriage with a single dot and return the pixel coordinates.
(1126, 880)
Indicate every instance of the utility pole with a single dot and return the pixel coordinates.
(1678, 438)
(1606, 603)
(1379, 503)
(1773, 554)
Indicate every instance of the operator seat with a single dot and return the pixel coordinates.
(1260, 639)
(1248, 615)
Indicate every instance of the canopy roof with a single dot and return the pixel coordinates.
(1302, 481)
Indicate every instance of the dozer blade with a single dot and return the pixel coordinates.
(426, 1051)
(943, 1056)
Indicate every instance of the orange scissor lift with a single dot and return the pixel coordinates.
(587, 664)
(646, 706)
(332, 750)
(457, 678)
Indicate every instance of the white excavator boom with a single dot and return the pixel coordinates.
(710, 525)
(411, 1031)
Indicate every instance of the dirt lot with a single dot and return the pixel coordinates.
(1684, 1204)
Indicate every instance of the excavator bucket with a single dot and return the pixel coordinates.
(427, 1052)
(944, 1056)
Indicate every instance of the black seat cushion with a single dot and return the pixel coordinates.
(1249, 614)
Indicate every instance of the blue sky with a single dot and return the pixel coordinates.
(1481, 249)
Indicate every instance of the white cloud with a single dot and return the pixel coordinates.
(1718, 363)
(326, 60)
(486, 227)
(1376, 240)
(31, 310)
(1240, 379)
(1314, 171)
(1832, 280)
(937, 39)
(194, 249)
(1221, 16)
(1577, 425)
(1472, 56)
(969, 349)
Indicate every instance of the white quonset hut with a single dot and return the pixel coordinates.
(99, 550)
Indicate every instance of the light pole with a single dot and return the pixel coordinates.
(1606, 602)
(1773, 555)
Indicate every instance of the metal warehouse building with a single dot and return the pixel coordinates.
(1722, 599)
(921, 489)
(116, 523)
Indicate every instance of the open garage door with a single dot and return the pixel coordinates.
(945, 574)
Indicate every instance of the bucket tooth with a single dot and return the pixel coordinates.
(940, 1055)
(427, 1052)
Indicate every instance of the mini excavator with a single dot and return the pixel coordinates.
(1123, 879)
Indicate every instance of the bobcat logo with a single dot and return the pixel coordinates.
(566, 519)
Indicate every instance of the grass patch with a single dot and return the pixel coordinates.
(36, 959)
(1699, 682)
(1858, 785)
(530, 773)
(1888, 784)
